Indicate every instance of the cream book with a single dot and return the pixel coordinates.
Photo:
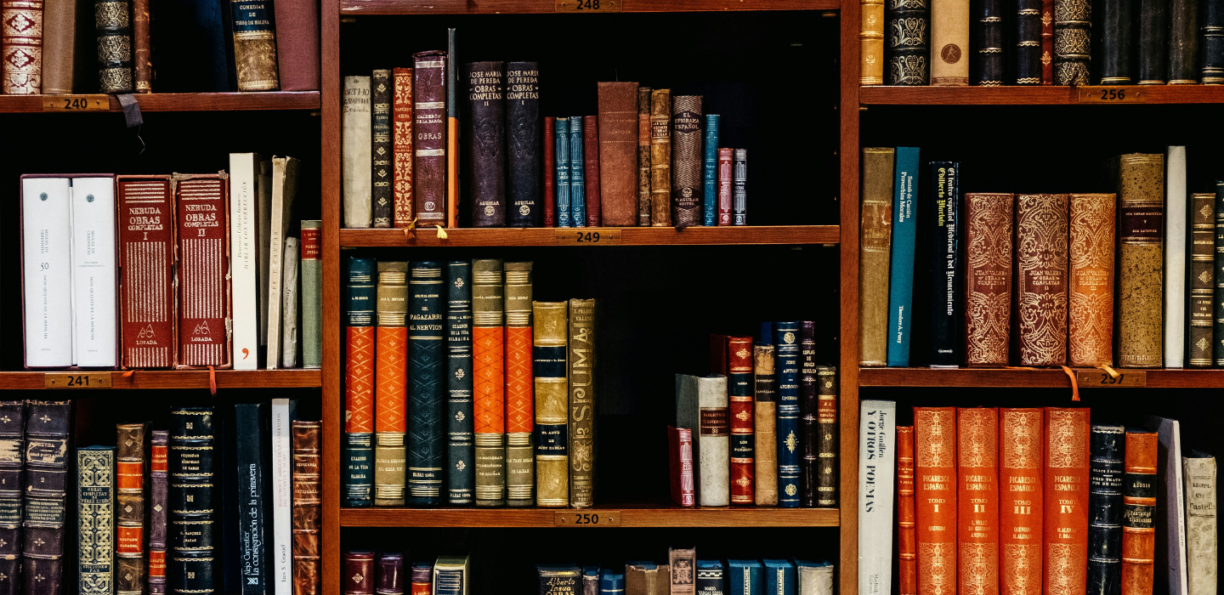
(46, 239)
(244, 258)
(289, 307)
(284, 189)
(95, 292)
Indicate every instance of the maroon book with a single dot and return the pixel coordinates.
(359, 570)
(550, 172)
(297, 44)
(203, 269)
(725, 179)
(430, 123)
(1047, 42)
(680, 465)
(590, 153)
(718, 355)
(148, 322)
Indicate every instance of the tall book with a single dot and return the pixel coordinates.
(297, 45)
(381, 176)
(283, 413)
(245, 244)
(46, 480)
(808, 403)
(644, 156)
(358, 183)
(114, 35)
(1202, 561)
(1201, 323)
(523, 158)
(426, 401)
(1184, 55)
(710, 211)
(989, 43)
(1140, 322)
(307, 507)
(877, 442)
(194, 498)
(713, 468)
(686, 160)
(429, 122)
(1170, 510)
(21, 46)
(96, 519)
(977, 497)
(12, 469)
(549, 352)
(1212, 44)
(988, 278)
(1072, 42)
(460, 445)
(949, 43)
(391, 388)
(130, 509)
(786, 342)
(486, 133)
(582, 389)
(488, 366)
(618, 153)
(765, 396)
(871, 40)
(901, 283)
(520, 420)
(1218, 331)
(450, 575)
(453, 73)
(1090, 291)
(739, 207)
(577, 172)
(660, 158)
(252, 430)
(401, 147)
(1020, 504)
(263, 185)
(726, 181)
(550, 171)
(591, 160)
(203, 269)
(159, 507)
(94, 311)
(875, 243)
(682, 563)
(146, 249)
(1140, 497)
(360, 299)
(1041, 279)
(1027, 35)
(1067, 439)
(312, 293)
(254, 40)
(289, 304)
(680, 466)
(936, 496)
(390, 576)
(1105, 510)
(564, 214)
(1047, 42)
(945, 265)
(58, 44)
(46, 236)
(1114, 40)
(1175, 256)
(743, 447)
(907, 526)
(284, 191)
(908, 42)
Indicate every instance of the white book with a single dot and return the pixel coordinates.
(1175, 258)
(1202, 552)
(1171, 576)
(284, 190)
(95, 316)
(244, 258)
(715, 467)
(283, 411)
(877, 470)
(289, 309)
(46, 229)
(358, 165)
(265, 230)
(814, 578)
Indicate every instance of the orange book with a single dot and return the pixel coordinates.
(908, 544)
(391, 388)
(392, 393)
(1020, 501)
(519, 381)
(1067, 435)
(977, 519)
(1139, 507)
(488, 343)
(935, 497)
(359, 381)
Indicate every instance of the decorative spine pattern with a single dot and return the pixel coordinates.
(550, 171)
(358, 573)
(1202, 282)
(988, 278)
(159, 507)
(786, 340)
(644, 150)
(390, 396)
(1141, 261)
(461, 453)
(21, 37)
(1218, 331)
(936, 497)
(486, 141)
(549, 352)
(1139, 489)
(360, 302)
(990, 43)
(581, 370)
(577, 170)
(909, 30)
(765, 433)
(426, 328)
(1066, 501)
(401, 150)
(978, 500)
(380, 148)
(488, 345)
(520, 462)
(193, 501)
(1028, 42)
(710, 211)
(808, 403)
(113, 21)
(725, 182)
(1047, 42)
(1072, 42)
(12, 457)
(739, 208)
(307, 506)
(739, 391)
(1213, 42)
(564, 216)
(203, 269)
(593, 196)
(875, 243)
(1041, 284)
(906, 521)
(686, 160)
(43, 511)
(871, 37)
(660, 158)
(429, 122)
(827, 440)
(130, 508)
(1091, 299)
(142, 67)
(96, 519)
(254, 38)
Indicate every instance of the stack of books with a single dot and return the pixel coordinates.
(684, 573)
(370, 572)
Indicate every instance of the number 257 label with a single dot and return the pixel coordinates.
(587, 6)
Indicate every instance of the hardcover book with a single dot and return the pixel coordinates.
(94, 311)
(871, 40)
(380, 152)
(1184, 58)
(391, 392)
(907, 527)
(1067, 438)
(714, 437)
(401, 147)
(1047, 42)
(682, 565)
(744, 577)
(559, 579)
(591, 160)
(808, 403)
(252, 429)
(1175, 257)
(203, 269)
(159, 507)
(289, 304)
(550, 171)
(619, 126)
(390, 573)
(452, 74)
(1105, 509)
(549, 352)
(945, 265)
(577, 171)
(739, 206)
(307, 507)
(645, 578)
(786, 340)
(488, 367)
(1199, 343)
(246, 247)
(908, 42)
(129, 509)
(1199, 474)
(21, 46)
(357, 158)
(1072, 42)
(688, 417)
(1027, 37)
(875, 243)
(460, 447)
(680, 465)
(283, 413)
(765, 417)
(426, 400)
(877, 435)
(96, 519)
(297, 44)
(739, 388)
(284, 191)
(686, 160)
(813, 578)
(359, 569)
(1041, 279)
(1140, 323)
(58, 44)
(486, 134)
(779, 577)
(12, 471)
(1116, 33)
(193, 500)
(710, 211)
(1091, 299)
(312, 293)
(429, 122)
(113, 25)
(564, 214)
(726, 181)
(1021, 465)
(989, 43)
(1170, 511)
(1212, 44)
(1139, 496)
(1153, 49)
(582, 389)
(949, 43)
(1218, 330)
(905, 230)
(936, 497)
(988, 278)
(360, 299)
(660, 158)
(520, 459)
(46, 237)
(710, 577)
(644, 148)
(977, 495)
(450, 575)
(421, 578)
(523, 200)
(254, 39)
(44, 507)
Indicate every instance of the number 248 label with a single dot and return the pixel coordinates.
(587, 6)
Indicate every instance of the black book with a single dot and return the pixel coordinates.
(1114, 47)
(945, 266)
(523, 146)
(46, 474)
(827, 440)
(1028, 42)
(989, 42)
(380, 148)
(485, 137)
(1183, 42)
(1108, 445)
(1213, 42)
(193, 500)
(12, 457)
(1218, 331)
(253, 464)
(909, 38)
(1153, 42)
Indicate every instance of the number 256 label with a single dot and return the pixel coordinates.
(587, 6)
(1128, 94)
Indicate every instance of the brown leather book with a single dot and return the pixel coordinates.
(1140, 307)
(1067, 460)
(935, 497)
(307, 507)
(141, 47)
(765, 393)
(907, 526)
(687, 160)
(401, 149)
(1139, 513)
(875, 238)
(619, 168)
(988, 278)
(977, 522)
(297, 44)
(1202, 282)
(1020, 502)
(643, 133)
(1041, 279)
(871, 36)
(59, 36)
(255, 46)
(660, 158)
(590, 157)
(1091, 300)
(429, 124)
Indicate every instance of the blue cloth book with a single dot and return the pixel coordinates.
(779, 577)
(901, 279)
(611, 582)
(460, 446)
(744, 577)
(577, 179)
(710, 211)
(564, 218)
(787, 352)
(711, 580)
(360, 297)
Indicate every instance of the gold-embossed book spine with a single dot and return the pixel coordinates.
(549, 351)
(21, 45)
(1041, 279)
(1140, 307)
(254, 45)
(582, 403)
(660, 158)
(988, 278)
(1091, 302)
(871, 37)
(1202, 279)
(874, 243)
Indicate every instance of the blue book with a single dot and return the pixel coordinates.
(711, 170)
(426, 389)
(787, 352)
(901, 280)
(360, 298)
(711, 579)
(779, 577)
(744, 577)
(563, 181)
(577, 182)
(611, 582)
(461, 446)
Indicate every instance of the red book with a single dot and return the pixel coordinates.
(358, 573)
(725, 180)
(1067, 436)
(906, 539)
(202, 203)
(718, 355)
(935, 497)
(1047, 42)
(1020, 501)
(740, 385)
(146, 250)
(401, 152)
(590, 154)
(977, 518)
(680, 465)
(550, 172)
(297, 44)
(1138, 518)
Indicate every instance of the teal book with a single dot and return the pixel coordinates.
(904, 234)
(710, 173)
(360, 297)
(96, 519)
(779, 577)
(564, 214)
(744, 577)
(460, 445)
(577, 193)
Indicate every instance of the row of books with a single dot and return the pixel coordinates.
(684, 574)
(1043, 42)
(254, 45)
(160, 271)
(1010, 500)
(662, 168)
(369, 572)
(1126, 277)
(466, 391)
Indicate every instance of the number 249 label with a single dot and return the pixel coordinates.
(587, 6)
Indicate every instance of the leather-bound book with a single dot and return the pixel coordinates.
(739, 392)
(590, 579)
(936, 496)
(945, 265)
(725, 190)
(1140, 310)
(1105, 510)
(1212, 48)
(875, 243)
(12, 455)
(577, 193)
(618, 153)
(1072, 42)
(581, 371)
(523, 132)
(426, 400)
(660, 158)
(680, 465)
(1041, 278)
(788, 444)
(43, 509)
(1202, 557)
(744, 577)
(710, 211)
(1114, 41)
(453, 74)
(1091, 300)
(1139, 489)
(808, 403)
(58, 44)
(558, 579)
(430, 125)
(202, 201)
(380, 150)
(357, 157)
(549, 352)
(297, 44)
(96, 519)
(550, 172)
(907, 526)
(1218, 330)
(253, 442)
(488, 366)
(909, 54)
(460, 445)
(307, 506)
(989, 46)
(146, 249)
(827, 440)
(812, 578)
(486, 134)
(421, 579)
(564, 215)
(159, 507)
(129, 509)
(1202, 280)
(688, 416)
(977, 434)
(389, 574)
(1184, 59)
(871, 39)
(644, 148)
(401, 147)
(391, 384)
(949, 43)
(359, 573)
(590, 171)
(1067, 438)
(1047, 42)
(765, 416)
(142, 65)
(988, 278)
(739, 201)
(1028, 42)
(683, 565)
(686, 160)
(193, 499)
(113, 21)
(714, 437)
(21, 47)
(360, 300)
(779, 576)
(254, 40)
(1153, 42)
(520, 419)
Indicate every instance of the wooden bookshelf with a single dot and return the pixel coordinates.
(174, 102)
(1040, 95)
(419, 7)
(630, 515)
(1027, 378)
(165, 379)
(593, 236)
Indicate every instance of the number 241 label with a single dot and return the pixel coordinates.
(587, 6)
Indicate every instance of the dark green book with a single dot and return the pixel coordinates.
(460, 448)
(426, 401)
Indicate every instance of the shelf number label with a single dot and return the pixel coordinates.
(602, 518)
(587, 6)
(76, 103)
(65, 381)
(1102, 379)
(1111, 95)
(587, 237)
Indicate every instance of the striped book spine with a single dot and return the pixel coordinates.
(549, 350)
(488, 365)
(520, 420)
(360, 299)
(203, 269)
(146, 248)
(426, 359)
(391, 390)
(401, 147)
(461, 451)
(786, 341)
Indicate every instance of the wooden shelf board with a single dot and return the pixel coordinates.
(185, 102)
(629, 236)
(394, 7)
(174, 379)
(1025, 95)
(1005, 378)
(632, 515)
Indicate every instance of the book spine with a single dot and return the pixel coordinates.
(564, 215)
(875, 243)
(421, 579)
(381, 149)
(289, 304)
(93, 266)
(877, 420)
(905, 230)
(1020, 504)
(520, 460)
(726, 180)
(827, 440)
(550, 171)
(739, 388)
(429, 122)
(307, 506)
(1184, 58)
(739, 209)
(710, 211)
(130, 509)
(460, 447)
(390, 577)
(1213, 42)
(114, 46)
(680, 465)
(581, 371)
(549, 351)
(578, 206)
(401, 147)
(193, 500)
(1175, 258)
(1116, 33)
(808, 404)
(203, 269)
(590, 152)
(254, 40)
(949, 42)
(43, 513)
(908, 42)
(645, 171)
(284, 181)
(450, 575)
(1140, 259)
(283, 413)
(618, 125)
(55, 76)
(936, 496)
(1028, 42)
(486, 129)
(246, 247)
(312, 293)
(1072, 42)
(359, 567)
(683, 580)
(453, 181)
(686, 160)
(907, 526)
(523, 144)
(786, 341)
(988, 278)
(989, 46)
(1202, 281)
(1105, 510)
(360, 300)
(1091, 300)
(1067, 438)
(871, 40)
(12, 456)
(714, 438)
(159, 506)
(660, 158)
(1047, 42)
(391, 391)
(488, 353)
(945, 265)
(427, 404)
(358, 185)
(1041, 278)
(765, 430)
(977, 496)
(1153, 42)
(1199, 476)
(297, 45)
(1218, 330)
(96, 519)
(46, 234)
(253, 437)
(1139, 489)
(141, 47)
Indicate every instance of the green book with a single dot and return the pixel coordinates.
(312, 292)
